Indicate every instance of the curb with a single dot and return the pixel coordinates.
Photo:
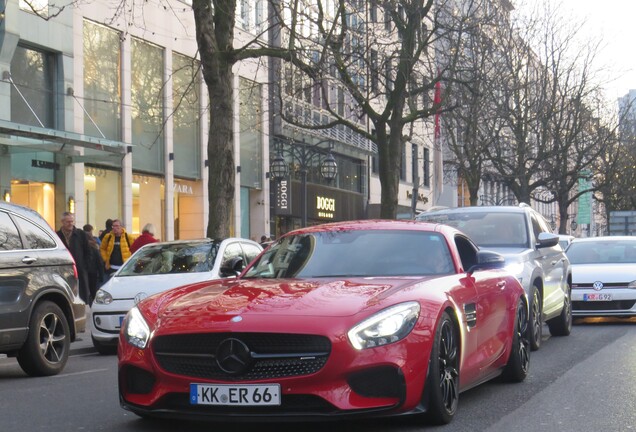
(82, 350)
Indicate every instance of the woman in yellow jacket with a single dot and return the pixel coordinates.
(115, 248)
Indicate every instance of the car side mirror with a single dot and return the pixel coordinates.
(547, 240)
(232, 267)
(487, 260)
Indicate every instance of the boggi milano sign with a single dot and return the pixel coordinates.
(325, 207)
(283, 197)
(323, 204)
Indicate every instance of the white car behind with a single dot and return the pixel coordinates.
(603, 276)
(158, 267)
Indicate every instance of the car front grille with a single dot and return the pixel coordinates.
(265, 355)
(616, 305)
(590, 285)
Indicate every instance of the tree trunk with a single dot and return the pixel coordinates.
(215, 36)
(389, 160)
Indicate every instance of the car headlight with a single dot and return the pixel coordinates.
(103, 297)
(136, 330)
(632, 284)
(385, 327)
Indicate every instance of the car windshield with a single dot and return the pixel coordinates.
(487, 229)
(602, 251)
(171, 258)
(355, 253)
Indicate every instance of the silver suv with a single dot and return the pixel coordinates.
(532, 253)
(40, 310)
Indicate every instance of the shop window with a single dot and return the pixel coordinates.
(102, 82)
(186, 88)
(32, 92)
(251, 120)
(147, 109)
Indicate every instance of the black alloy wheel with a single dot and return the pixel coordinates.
(516, 369)
(443, 375)
(536, 321)
(47, 347)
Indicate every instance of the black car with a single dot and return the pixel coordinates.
(41, 312)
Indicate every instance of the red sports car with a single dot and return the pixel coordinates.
(364, 318)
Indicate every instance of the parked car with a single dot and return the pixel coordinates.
(158, 267)
(41, 312)
(565, 240)
(603, 276)
(355, 319)
(532, 253)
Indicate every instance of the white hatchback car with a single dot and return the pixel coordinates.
(158, 267)
(603, 276)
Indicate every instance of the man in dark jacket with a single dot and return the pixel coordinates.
(76, 242)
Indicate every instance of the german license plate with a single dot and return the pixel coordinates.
(597, 297)
(230, 394)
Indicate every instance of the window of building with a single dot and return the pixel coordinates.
(251, 121)
(403, 164)
(33, 96)
(102, 81)
(373, 12)
(39, 7)
(375, 72)
(414, 158)
(427, 167)
(186, 88)
(147, 106)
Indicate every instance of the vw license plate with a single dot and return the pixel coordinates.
(245, 395)
(597, 297)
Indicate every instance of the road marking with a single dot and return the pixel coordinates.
(79, 373)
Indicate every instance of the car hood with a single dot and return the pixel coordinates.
(290, 297)
(127, 287)
(606, 273)
(509, 254)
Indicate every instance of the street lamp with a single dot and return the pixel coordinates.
(303, 153)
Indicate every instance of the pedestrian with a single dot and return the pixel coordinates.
(147, 236)
(76, 241)
(88, 229)
(109, 228)
(265, 241)
(115, 248)
(95, 268)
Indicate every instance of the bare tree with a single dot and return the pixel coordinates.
(472, 125)
(375, 70)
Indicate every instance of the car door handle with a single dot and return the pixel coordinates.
(29, 260)
(501, 284)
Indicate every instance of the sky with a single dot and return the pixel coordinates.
(614, 21)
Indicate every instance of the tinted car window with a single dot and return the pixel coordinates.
(232, 250)
(9, 237)
(369, 253)
(36, 237)
(602, 252)
(487, 229)
(173, 258)
(250, 251)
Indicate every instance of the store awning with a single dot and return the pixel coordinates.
(21, 138)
